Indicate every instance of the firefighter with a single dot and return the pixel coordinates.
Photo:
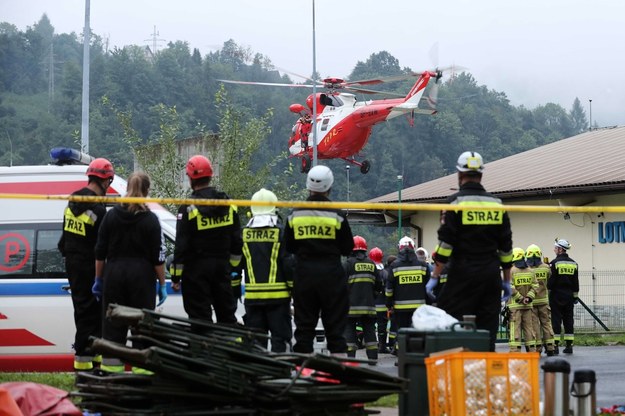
(377, 256)
(318, 237)
(365, 283)
(478, 242)
(81, 222)
(208, 246)
(268, 275)
(541, 310)
(524, 289)
(405, 287)
(563, 288)
(130, 257)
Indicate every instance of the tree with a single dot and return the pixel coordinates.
(578, 117)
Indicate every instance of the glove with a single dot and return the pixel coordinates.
(430, 285)
(507, 290)
(96, 289)
(162, 294)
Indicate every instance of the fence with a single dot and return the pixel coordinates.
(603, 291)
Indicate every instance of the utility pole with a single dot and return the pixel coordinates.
(347, 167)
(155, 40)
(314, 75)
(590, 122)
(400, 184)
(84, 136)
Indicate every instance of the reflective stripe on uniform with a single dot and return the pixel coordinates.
(277, 290)
(83, 362)
(408, 304)
(206, 223)
(443, 249)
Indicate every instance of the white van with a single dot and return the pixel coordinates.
(36, 313)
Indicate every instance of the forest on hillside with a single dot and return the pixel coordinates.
(40, 108)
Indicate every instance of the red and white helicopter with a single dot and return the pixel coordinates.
(344, 124)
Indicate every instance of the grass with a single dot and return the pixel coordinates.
(392, 400)
(63, 381)
(602, 339)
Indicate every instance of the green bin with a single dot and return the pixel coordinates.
(415, 346)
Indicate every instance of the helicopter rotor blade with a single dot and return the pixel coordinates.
(286, 71)
(270, 84)
(366, 91)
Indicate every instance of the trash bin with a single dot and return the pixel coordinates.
(414, 346)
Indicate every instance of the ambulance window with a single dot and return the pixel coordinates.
(16, 252)
(48, 259)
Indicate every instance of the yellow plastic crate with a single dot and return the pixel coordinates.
(483, 384)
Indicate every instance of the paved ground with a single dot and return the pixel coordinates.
(607, 362)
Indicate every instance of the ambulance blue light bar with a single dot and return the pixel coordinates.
(69, 156)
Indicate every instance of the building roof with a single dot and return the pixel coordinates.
(593, 161)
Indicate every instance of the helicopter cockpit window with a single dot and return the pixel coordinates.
(330, 100)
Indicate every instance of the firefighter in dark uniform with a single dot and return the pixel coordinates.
(405, 287)
(318, 237)
(563, 288)
(208, 245)
(81, 222)
(479, 244)
(364, 283)
(377, 256)
(268, 274)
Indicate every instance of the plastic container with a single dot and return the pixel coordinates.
(483, 383)
(415, 346)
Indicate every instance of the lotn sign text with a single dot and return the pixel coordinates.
(611, 232)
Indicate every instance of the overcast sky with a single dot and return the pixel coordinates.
(535, 51)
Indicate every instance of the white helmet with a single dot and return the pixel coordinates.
(470, 162)
(406, 242)
(425, 254)
(266, 196)
(562, 243)
(319, 179)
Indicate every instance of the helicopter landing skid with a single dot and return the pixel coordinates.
(364, 166)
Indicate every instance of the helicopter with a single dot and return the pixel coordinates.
(344, 124)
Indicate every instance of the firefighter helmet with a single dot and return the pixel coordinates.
(533, 251)
(319, 179)
(470, 162)
(360, 243)
(562, 243)
(266, 196)
(518, 254)
(101, 168)
(406, 242)
(198, 167)
(424, 254)
(376, 255)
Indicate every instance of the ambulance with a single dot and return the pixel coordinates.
(36, 313)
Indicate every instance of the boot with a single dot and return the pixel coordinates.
(382, 349)
(556, 349)
(569, 348)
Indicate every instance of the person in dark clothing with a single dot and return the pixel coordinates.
(478, 244)
(390, 316)
(405, 287)
(81, 222)
(364, 283)
(130, 256)
(268, 274)
(377, 256)
(563, 285)
(318, 237)
(208, 246)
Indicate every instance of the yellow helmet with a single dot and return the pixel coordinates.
(518, 254)
(533, 251)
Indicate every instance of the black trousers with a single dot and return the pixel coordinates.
(206, 282)
(274, 319)
(368, 326)
(129, 282)
(382, 322)
(87, 310)
(320, 289)
(474, 288)
(562, 315)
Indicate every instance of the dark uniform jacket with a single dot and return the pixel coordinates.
(405, 287)
(563, 284)
(267, 266)
(81, 222)
(318, 233)
(206, 231)
(364, 282)
(474, 233)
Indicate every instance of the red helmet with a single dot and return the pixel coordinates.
(376, 255)
(199, 166)
(360, 243)
(101, 168)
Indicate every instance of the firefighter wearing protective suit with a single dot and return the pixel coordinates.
(364, 283)
(318, 237)
(268, 274)
(563, 288)
(377, 257)
(208, 245)
(478, 244)
(81, 223)
(541, 310)
(524, 289)
(405, 287)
